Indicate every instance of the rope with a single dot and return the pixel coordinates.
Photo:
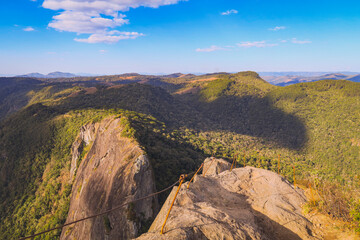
(195, 175)
(182, 178)
(204, 172)
(108, 211)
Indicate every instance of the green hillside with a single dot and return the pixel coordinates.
(313, 126)
(36, 151)
(13, 94)
(330, 110)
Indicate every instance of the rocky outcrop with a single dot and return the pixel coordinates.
(215, 166)
(85, 138)
(113, 171)
(247, 203)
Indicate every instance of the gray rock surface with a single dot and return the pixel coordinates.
(215, 166)
(247, 203)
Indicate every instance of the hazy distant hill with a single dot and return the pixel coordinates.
(355, 78)
(286, 80)
(60, 75)
(50, 75)
(301, 74)
(33, 75)
(7, 75)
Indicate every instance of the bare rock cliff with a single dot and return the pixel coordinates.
(246, 203)
(114, 170)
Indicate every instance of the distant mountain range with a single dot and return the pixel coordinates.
(281, 79)
(50, 75)
(303, 74)
(275, 78)
(7, 75)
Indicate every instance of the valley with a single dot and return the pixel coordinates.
(173, 123)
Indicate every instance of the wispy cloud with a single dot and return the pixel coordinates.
(109, 37)
(294, 40)
(229, 12)
(28, 29)
(97, 18)
(210, 49)
(103, 51)
(277, 28)
(259, 44)
(253, 44)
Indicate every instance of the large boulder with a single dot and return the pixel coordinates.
(215, 166)
(247, 203)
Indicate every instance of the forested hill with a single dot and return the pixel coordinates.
(178, 120)
(14, 94)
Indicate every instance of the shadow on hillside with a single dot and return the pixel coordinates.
(256, 117)
(29, 133)
(247, 115)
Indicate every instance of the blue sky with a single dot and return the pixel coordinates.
(164, 36)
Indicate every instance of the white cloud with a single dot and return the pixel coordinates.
(229, 12)
(259, 44)
(103, 51)
(97, 17)
(83, 22)
(109, 37)
(277, 28)
(28, 29)
(210, 49)
(294, 40)
(107, 7)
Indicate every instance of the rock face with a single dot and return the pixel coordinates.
(86, 137)
(247, 203)
(215, 166)
(114, 170)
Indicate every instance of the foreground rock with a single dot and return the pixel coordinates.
(247, 203)
(114, 170)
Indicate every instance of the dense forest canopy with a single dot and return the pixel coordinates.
(178, 120)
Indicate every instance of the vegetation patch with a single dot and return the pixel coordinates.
(214, 89)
